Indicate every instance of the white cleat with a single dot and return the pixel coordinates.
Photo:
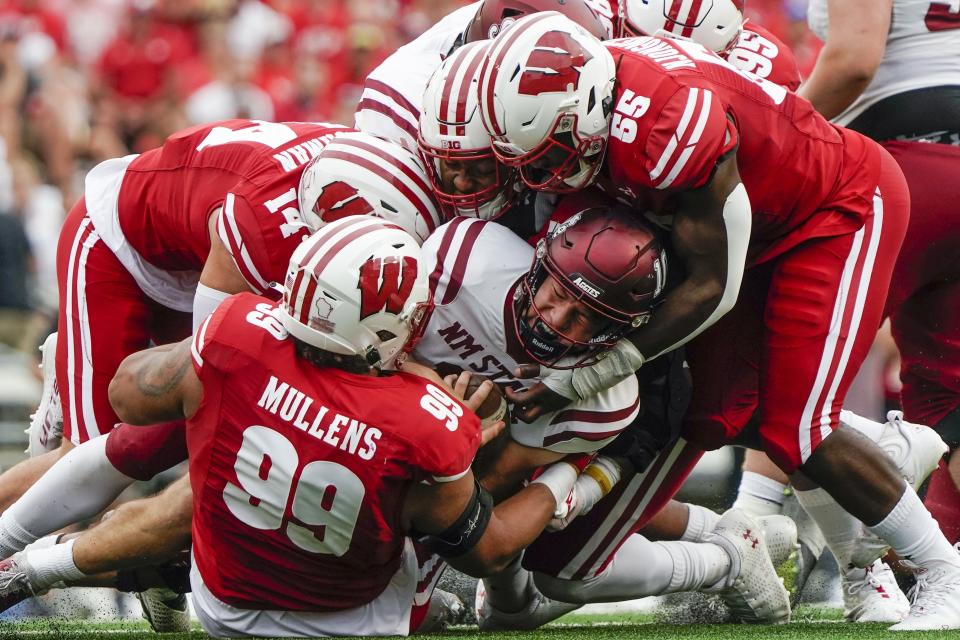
(935, 602)
(539, 611)
(46, 424)
(752, 591)
(445, 610)
(165, 610)
(916, 450)
(780, 536)
(872, 595)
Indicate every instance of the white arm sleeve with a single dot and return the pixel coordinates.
(205, 302)
(738, 219)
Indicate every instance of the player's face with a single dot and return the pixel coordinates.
(567, 319)
(466, 177)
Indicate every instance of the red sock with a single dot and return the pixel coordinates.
(943, 502)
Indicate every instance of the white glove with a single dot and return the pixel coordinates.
(596, 481)
(560, 381)
(617, 364)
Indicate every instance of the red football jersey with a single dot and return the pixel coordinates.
(299, 474)
(680, 109)
(763, 54)
(168, 193)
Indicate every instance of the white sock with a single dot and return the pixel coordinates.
(866, 426)
(508, 590)
(80, 485)
(840, 529)
(759, 495)
(700, 522)
(914, 534)
(52, 565)
(642, 568)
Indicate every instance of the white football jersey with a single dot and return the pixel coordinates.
(923, 50)
(392, 95)
(475, 267)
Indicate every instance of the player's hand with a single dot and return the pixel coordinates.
(551, 393)
(459, 384)
(614, 366)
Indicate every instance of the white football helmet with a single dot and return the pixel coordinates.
(715, 24)
(545, 95)
(451, 132)
(358, 286)
(357, 173)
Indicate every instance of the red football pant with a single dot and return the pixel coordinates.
(797, 336)
(588, 544)
(924, 301)
(104, 317)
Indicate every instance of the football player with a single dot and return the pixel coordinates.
(893, 73)
(219, 204)
(309, 465)
(590, 283)
(813, 246)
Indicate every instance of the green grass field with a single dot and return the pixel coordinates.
(810, 624)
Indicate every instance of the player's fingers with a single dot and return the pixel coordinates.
(491, 432)
(479, 396)
(463, 381)
(525, 371)
(450, 380)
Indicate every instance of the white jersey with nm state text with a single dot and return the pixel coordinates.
(392, 95)
(475, 267)
(923, 50)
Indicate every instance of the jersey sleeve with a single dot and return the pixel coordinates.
(586, 426)
(449, 433)
(389, 106)
(259, 240)
(689, 137)
(763, 54)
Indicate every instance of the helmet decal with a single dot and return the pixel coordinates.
(554, 64)
(338, 200)
(385, 284)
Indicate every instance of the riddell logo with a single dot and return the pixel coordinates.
(589, 289)
(450, 144)
(554, 64)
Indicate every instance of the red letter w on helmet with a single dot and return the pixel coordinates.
(553, 65)
(385, 284)
(339, 200)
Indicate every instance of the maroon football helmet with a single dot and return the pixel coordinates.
(606, 257)
(491, 16)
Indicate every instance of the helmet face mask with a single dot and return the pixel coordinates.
(454, 145)
(488, 202)
(562, 163)
(611, 269)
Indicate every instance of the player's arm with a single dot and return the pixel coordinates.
(851, 54)
(711, 232)
(219, 279)
(515, 464)
(156, 385)
(459, 522)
